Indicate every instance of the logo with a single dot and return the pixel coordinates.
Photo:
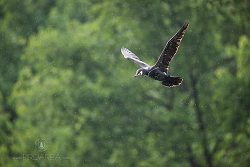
(41, 145)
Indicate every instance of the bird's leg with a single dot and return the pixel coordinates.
(166, 72)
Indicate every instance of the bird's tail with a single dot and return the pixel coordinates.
(172, 81)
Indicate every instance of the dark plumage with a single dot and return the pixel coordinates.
(159, 71)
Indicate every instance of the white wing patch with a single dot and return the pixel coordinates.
(131, 56)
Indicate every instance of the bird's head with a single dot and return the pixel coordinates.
(140, 72)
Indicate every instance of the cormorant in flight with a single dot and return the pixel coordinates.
(159, 71)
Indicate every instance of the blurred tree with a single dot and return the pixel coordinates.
(234, 87)
(25, 17)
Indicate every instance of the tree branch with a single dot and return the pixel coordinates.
(191, 158)
(201, 123)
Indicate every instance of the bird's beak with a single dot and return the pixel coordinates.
(135, 75)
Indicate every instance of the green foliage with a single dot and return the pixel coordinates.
(68, 98)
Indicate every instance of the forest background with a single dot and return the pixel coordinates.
(68, 98)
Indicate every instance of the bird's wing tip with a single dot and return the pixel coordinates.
(123, 50)
(186, 23)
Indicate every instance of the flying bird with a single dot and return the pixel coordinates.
(160, 70)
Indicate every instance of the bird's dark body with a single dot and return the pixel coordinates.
(157, 74)
(166, 80)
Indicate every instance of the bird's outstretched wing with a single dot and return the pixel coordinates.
(131, 56)
(171, 48)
